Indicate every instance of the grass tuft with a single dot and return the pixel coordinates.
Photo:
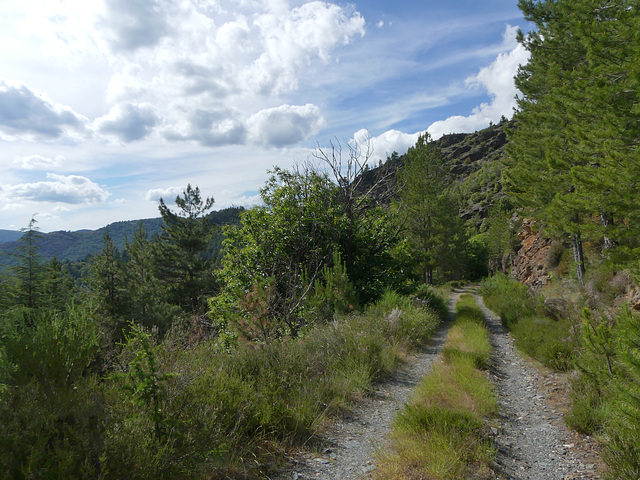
(438, 435)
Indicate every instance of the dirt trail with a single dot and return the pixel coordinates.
(353, 441)
(532, 440)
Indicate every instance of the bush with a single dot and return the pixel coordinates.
(548, 339)
(52, 409)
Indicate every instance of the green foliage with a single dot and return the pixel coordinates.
(51, 408)
(427, 295)
(549, 340)
(573, 154)
(52, 348)
(435, 230)
(333, 292)
(274, 258)
(181, 261)
(143, 380)
(223, 406)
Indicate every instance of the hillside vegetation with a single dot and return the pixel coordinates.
(200, 346)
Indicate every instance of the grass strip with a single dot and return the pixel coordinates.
(440, 433)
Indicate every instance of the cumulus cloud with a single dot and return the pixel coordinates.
(293, 40)
(26, 112)
(208, 127)
(386, 143)
(128, 122)
(497, 81)
(71, 189)
(133, 24)
(212, 70)
(168, 194)
(38, 162)
(285, 125)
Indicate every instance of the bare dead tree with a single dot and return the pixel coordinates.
(360, 188)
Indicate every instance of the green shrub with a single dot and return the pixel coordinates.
(548, 340)
(510, 299)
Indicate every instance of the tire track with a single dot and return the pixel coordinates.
(532, 440)
(353, 441)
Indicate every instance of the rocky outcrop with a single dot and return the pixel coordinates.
(530, 262)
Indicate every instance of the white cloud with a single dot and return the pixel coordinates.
(292, 41)
(133, 24)
(497, 80)
(211, 70)
(26, 113)
(128, 122)
(168, 194)
(285, 125)
(392, 141)
(38, 162)
(72, 189)
(209, 128)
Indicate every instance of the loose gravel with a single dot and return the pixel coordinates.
(531, 438)
(352, 442)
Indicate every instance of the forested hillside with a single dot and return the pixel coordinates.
(212, 345)
(79, 245)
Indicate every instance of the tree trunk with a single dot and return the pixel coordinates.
(429, 276)
(578, 257)
(607, 221)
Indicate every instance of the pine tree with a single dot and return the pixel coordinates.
(181, 256)
(574, 151)
(109, 287)
(433, 224)
(148, 305)
(29, 269)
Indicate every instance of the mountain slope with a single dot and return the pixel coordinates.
(78, 245)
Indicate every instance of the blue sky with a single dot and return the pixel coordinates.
(106, 105)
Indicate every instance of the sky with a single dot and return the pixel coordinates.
(108, 105)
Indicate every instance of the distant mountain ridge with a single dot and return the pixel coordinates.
(77, 245)
(9, 236)
(475, 162)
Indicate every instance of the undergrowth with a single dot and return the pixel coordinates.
(175, 409)
(439, 434)
(550, 339)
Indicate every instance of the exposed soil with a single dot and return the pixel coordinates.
(532, 441)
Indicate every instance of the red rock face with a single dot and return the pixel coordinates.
(529, 264)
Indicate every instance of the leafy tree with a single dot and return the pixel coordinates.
(181, 260)
(366, 231)
(273, 258)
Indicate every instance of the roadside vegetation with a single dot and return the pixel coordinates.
(441, 432)
(600, 344)
(164, 361)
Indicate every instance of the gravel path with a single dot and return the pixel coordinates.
(532, 440)
(353, 441)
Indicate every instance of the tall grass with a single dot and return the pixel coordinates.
(550, 340)
(192, 410)
(439, 434)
